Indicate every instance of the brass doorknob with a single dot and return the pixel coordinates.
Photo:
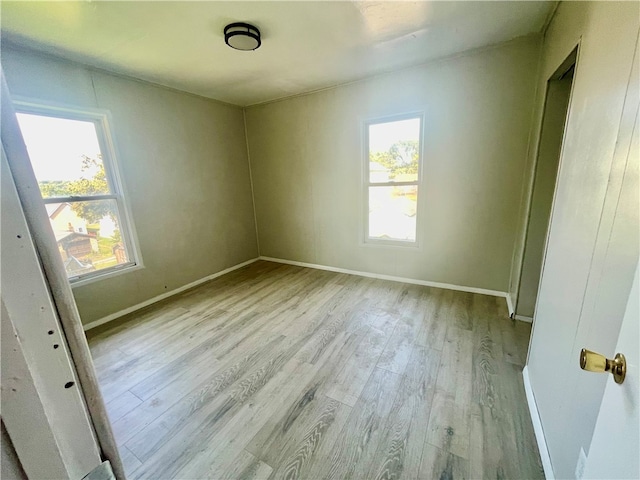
(594, 362)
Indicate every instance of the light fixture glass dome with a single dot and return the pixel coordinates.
(242, 36)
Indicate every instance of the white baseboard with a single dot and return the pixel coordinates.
(512, 310)
(146, 303)
(537, 427)
(392, 278)
(448, 286)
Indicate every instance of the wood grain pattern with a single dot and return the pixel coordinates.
(449, 425)
(400, 448)
(129, 460)
(444, 466)
(322, 430)
(122, 405)
(276, 371)
(354, 450)
(247, 467)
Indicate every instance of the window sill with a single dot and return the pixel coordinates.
(79, 282)
(372, 242)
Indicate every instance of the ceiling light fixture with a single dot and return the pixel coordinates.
(242, 36)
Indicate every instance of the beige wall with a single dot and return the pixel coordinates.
(306, 157)
(184, 167)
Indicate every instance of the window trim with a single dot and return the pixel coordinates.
(366, 181)
(102, 120)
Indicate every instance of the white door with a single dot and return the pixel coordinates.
(592, 247)
(616, 443)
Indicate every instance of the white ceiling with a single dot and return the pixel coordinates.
(306, 45)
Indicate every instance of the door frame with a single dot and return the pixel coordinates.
(61, 298)
(563, 68)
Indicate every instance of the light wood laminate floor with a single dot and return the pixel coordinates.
(276, 371)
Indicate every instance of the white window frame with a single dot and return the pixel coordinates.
(102, 121)
(367, 240)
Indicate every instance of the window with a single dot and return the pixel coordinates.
(392, 175)
(75, 168)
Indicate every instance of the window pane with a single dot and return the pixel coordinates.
(392, 212)
(88, 235)
(65, 155)
(394, 149)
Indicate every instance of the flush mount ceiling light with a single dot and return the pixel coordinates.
(242, 36)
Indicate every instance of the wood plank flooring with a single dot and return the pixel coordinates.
(276, 371)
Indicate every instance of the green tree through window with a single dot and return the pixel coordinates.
(402, 157)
